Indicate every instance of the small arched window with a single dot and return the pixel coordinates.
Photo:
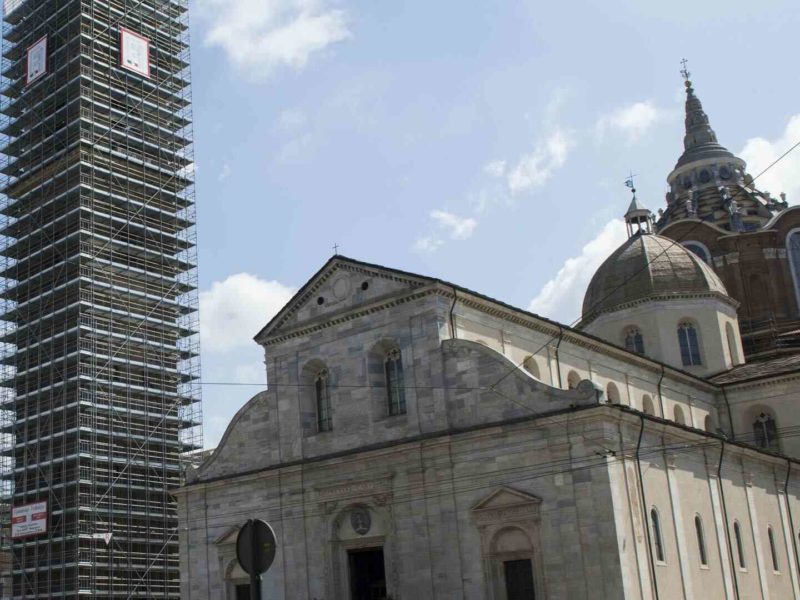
(647, 405)
(766, 432)
(708, 423)
(634, 342)
(395, 387)
(658, 541)
(679, 416)
(323, 401)
(701, 541)
(612, 394)
(772, 551)
(699, 250)
(573, 379)
(737, 532)
(689, 344)
(532, 367)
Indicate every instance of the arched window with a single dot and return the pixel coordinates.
(773, 553)
(700, 250)
(658, 541)
(532, 367)
(395, 388)
(612, 394)
(634, 342)
(766, 432)
(690, 347)
(573, 379)
(678, 415)
(730, 336)
(701, 542)
(793, 251)
(323, 397)
(708, 423)
(647, 405)
(737, 532)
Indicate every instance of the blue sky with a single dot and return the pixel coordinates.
(482, 142)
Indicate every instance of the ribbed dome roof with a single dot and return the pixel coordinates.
(645, 267)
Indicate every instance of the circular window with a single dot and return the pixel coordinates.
(724, 172)
(320, 300)
(365, 286)
(705, 176)
(687, 182)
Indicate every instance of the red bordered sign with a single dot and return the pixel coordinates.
(37, 61)
(29, 519)
(134, 52)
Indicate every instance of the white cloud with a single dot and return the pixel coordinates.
(495, 168)
(232, 311)
(457, 228)
(562, 297)
(446, 225)
(259, 36)
(534, 169)
(759, 153)
(224, 172)
(428, 243)
(632, 121)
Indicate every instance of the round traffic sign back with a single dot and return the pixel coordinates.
(255, 546)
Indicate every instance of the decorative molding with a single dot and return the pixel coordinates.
(380, 487)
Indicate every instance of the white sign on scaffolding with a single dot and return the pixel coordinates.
(10, 6)
(37, 61)
(135, 52)
(29, 519)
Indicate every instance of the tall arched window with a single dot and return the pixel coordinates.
(679, 416)
(730, 337)
(766, 432)
(793, 251)
(658, 541)
(395, 387)
(737, 532)
(772, 551)
(708, 423)
(701, 542)
(647, 405)
(689, 344)
(323, 397)
(634, 342)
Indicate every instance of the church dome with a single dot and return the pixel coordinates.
(649, 267)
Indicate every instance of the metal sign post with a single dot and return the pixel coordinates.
(255, 551)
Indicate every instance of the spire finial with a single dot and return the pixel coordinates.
(685, 73)
(629, 183)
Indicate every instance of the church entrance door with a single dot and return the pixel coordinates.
(519, 579)
(367, 574)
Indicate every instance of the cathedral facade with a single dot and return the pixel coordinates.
(420, 440)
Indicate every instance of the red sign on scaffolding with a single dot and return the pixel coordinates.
(134, 52)
(29, 519)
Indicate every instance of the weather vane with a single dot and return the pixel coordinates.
(629, 182)
(684, 71)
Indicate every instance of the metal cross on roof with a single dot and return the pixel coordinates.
(629, 182)
(684, 71)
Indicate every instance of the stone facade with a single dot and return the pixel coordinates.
(520, 442)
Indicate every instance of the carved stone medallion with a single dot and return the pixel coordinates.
(360, 520)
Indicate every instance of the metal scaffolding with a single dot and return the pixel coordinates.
(99, 356)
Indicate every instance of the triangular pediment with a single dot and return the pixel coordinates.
(229, 537)
(505, 497)
(342, 284)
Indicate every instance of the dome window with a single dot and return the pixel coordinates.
(690, 347)
(634, 342)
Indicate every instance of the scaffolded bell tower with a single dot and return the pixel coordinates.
(99, 361)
